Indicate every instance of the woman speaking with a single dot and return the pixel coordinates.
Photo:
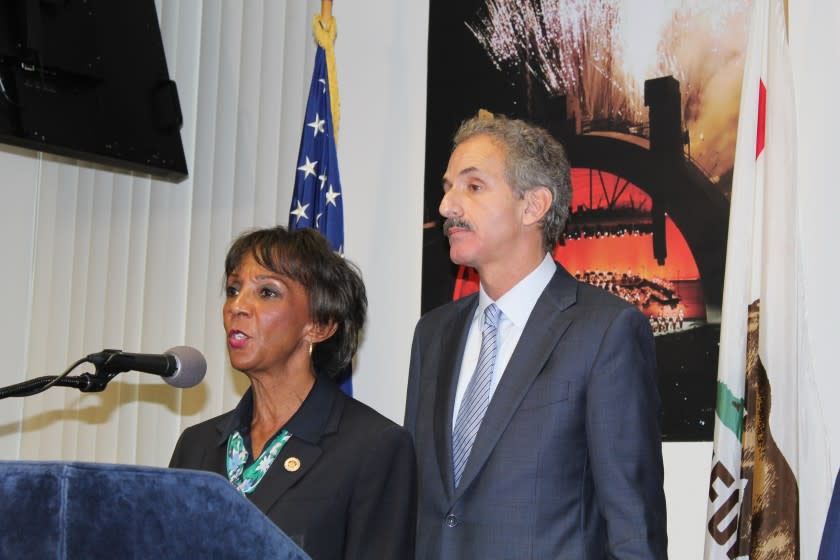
(336, 476)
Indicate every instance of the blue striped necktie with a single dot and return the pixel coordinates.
(477, 396)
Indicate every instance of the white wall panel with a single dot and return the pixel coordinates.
(96, 258)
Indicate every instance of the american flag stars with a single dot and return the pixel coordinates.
(300, 211)
(308, 168)
(317, 125)
(317, 200)
(332, 196)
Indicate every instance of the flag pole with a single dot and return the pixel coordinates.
(324, 29)
(326, 9)
(317, 200)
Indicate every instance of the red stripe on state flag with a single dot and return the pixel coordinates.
(762, 111)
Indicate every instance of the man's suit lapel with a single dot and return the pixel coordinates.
(528, 359)
(453, 341)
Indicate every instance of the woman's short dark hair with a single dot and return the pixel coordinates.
(334, 285)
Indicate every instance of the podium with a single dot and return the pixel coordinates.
(91, 511)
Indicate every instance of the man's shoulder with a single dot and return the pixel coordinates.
(449, 310)
(597, 306)
(593, 295)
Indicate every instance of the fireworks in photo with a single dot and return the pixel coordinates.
(600, 52)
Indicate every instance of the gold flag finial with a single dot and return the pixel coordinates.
(324, 29)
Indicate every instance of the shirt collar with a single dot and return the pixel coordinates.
(518, 302)
(308, 423)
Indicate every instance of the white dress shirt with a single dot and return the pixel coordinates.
(516, 306)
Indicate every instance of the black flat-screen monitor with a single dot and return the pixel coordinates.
(88, 79)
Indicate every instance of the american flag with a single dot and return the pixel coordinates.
(317, 199)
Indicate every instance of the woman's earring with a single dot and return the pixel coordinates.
(310, 349)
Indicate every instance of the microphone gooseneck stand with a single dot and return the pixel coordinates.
(86, 382)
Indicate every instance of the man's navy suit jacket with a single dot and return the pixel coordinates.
(568, 460)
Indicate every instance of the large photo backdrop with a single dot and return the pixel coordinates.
(646, 103)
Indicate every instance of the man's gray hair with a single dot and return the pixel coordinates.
(534, 158)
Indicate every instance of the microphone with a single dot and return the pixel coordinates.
(181, 366)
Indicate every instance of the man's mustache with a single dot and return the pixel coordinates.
(457, 223)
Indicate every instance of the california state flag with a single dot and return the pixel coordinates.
(754, 493)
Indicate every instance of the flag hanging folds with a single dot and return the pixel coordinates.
(753, 509)
(830, 541)
(317, 200)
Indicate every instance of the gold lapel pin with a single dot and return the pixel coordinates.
(292, 464)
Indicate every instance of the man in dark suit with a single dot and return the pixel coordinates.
(532, 404)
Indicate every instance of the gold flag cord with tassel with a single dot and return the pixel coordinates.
(324, 29)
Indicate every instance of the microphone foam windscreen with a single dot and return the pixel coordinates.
(191, 367)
